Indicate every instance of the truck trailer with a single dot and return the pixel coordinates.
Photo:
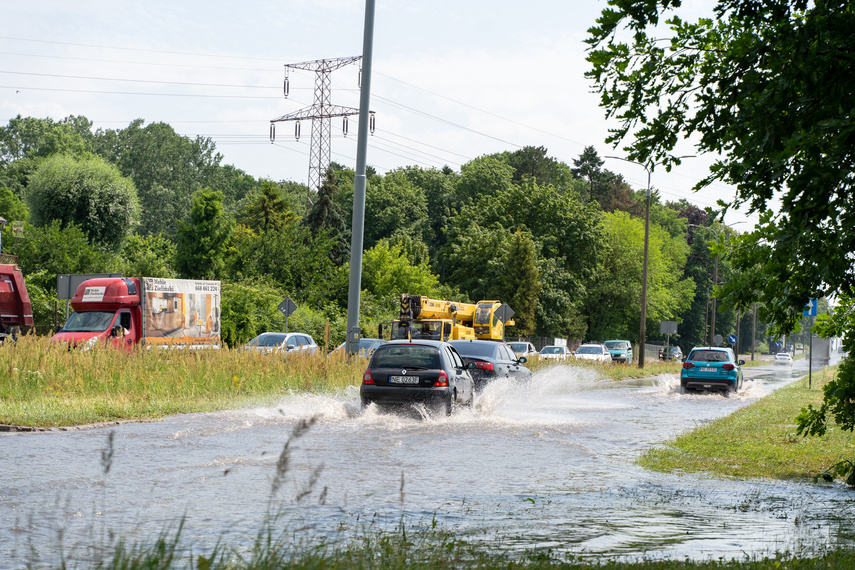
(126, 311)
(16, 311)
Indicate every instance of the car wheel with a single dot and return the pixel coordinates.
(449, 403)
(471, 403)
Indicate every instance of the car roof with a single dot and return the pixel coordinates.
(423, 342)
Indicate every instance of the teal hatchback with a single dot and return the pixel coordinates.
(711, 369)
(620, 350)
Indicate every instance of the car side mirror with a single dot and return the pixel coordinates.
(522, 360)
(741, 363)
(57, 328)
(115, 331)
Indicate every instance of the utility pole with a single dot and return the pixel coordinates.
(320, 113)
(359, 183)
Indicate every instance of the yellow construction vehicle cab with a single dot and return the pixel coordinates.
(425, 318)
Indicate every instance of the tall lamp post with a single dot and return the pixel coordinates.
(3, 223)
(642, 335)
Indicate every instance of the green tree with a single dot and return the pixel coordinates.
(766, 86)
(613, 300)
(533, 162)
(88, 192)
(167, 169)
(589, 166)
(12, 208)
(203, 237)
(148, 256)
(266, 209)
(386, 273)
(394, 205)
(519, 285)
(326, 216)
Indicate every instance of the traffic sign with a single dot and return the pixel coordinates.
(732, 339)
(504, 313)
(287, 306)
(810, 309)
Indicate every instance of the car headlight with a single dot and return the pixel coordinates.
(89, 343)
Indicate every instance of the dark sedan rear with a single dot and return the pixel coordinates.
(406, 372)
(492, 360)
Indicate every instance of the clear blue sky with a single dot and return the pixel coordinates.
(453, 80)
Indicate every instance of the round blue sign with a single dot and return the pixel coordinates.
(732, 339)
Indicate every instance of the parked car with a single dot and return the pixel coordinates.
(783, 358)
(675, 353)
(594, 352)
(711, 369)
(366, 346)
(284, 343)
(620, 351)
(523, 349)
(554, 352)
(492, 360)
(407, 372)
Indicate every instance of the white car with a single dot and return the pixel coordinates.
(284, 343)
(783, 358)
(594, 352)
(523, 349)
(553, 352)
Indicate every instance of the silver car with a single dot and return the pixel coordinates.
(282, 343)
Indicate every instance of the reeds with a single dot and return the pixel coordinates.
(43, 384)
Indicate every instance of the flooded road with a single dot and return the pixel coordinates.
(545, 464)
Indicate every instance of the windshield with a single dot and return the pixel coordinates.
(551, 350)
(617, 345)
(267, 340)
(466, 348)
(89, 321)
(518, 346)
(589, 350)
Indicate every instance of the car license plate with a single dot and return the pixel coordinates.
(708, 369)
(403, 379)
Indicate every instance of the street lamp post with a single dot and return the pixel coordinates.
(642, 335)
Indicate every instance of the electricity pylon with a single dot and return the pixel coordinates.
(321, 113)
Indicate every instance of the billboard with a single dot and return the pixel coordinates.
(181, 311)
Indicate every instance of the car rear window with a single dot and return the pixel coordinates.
(406, 356)
(709, 356)
(475, 349)
(589, 350)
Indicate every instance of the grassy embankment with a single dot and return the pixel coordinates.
(759, 440)
(44, 385)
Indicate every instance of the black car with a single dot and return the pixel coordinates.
(406, 372)
(492, 360)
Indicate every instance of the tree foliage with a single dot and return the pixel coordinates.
(203, 238)
(766, 86)
(88, 192)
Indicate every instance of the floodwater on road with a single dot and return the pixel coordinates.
(548, 463)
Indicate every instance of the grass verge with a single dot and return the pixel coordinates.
(759, 440)
(45, 385)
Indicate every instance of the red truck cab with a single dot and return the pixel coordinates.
(106, 310)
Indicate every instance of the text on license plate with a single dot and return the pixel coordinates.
(403, 379)
(708, 369)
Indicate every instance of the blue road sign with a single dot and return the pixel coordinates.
(810, 309)
(732, 339)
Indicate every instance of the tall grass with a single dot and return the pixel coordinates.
(42, 384)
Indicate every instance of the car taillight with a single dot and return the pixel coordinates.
(442, 380)
(366, 378)
(488, 366)
(688, 365)
(728, 366)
